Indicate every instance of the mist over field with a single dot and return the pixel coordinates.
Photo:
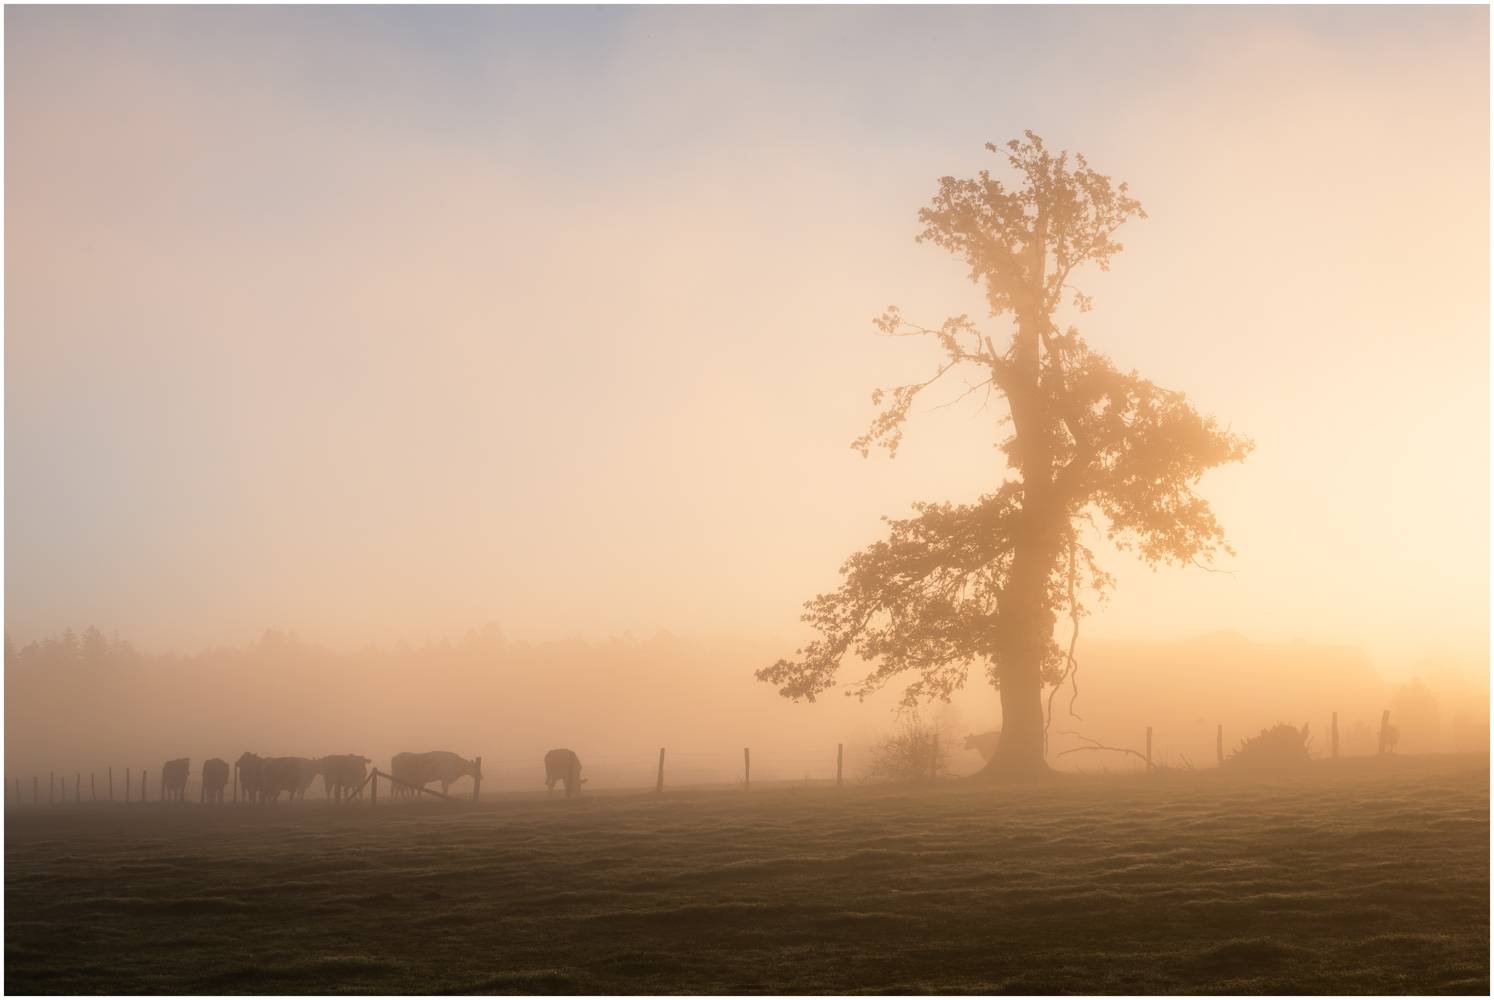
(847, 499)
(95, 704)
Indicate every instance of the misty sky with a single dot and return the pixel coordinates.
(386, 323)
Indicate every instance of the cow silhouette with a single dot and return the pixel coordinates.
(420, 769)
(174, 779)
(310, 768)
(986, 743)
(214, 778)
(343, 775)
(251, 775)
(563, 766)
(280, 774)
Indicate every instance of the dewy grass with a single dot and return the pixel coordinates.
(1362, 876)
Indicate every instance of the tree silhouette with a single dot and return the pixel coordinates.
(986, 581)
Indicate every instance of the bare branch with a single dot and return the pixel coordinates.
(1097, 746)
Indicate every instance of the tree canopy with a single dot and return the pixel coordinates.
(1088, 444)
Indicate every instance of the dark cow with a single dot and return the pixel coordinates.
(174, 779)
(986, 743)
(420, 769)
(251, 775)
(281, 774)
(563, 766)
(344, 774)
(214, 778)
(310, 768)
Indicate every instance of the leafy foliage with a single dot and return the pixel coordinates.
(1088, 443)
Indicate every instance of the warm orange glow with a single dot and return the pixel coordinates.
(380, 348)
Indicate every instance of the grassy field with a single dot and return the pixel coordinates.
(1366, 876)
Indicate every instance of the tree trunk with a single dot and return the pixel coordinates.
(1026, 629)
(1020, 753)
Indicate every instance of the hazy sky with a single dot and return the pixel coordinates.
(385, 323)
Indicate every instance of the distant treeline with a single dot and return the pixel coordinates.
(92, 648)
(81, 704)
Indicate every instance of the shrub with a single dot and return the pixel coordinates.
(1279, 749)
(908, 754)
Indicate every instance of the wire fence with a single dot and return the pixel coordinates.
(640, 771)
(648, 770)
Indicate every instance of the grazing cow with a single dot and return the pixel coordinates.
(251, 775)
(420, 769)
(986, 743)
(281, 774)
(214, 777)
(344, 774)
(564, 766)
(174, 779)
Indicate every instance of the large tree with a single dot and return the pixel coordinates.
(1089, 446)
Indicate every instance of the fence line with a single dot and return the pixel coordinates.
(664, 769)
(615, 771)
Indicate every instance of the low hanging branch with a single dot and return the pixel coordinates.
(1097, 746)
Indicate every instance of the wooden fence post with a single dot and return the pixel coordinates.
(659, 785)
(1335, 736)
(1148, 748)
(477, 780)
(1384, 729)
(746, 769)
(840, 753)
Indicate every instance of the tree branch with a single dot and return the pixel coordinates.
(1097, 746)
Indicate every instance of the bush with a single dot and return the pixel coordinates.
(1281, 748)
(908, 754)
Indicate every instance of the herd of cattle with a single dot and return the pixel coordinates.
(264, 779)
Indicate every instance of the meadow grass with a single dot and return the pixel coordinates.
(1363, 876)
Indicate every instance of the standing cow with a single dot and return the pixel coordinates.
(280, 774)
(310, 768)
(563, 766)
(985, 743)
(174, 779)
(214, 778)
(344, 774)
(251, 775)
(420, 769)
